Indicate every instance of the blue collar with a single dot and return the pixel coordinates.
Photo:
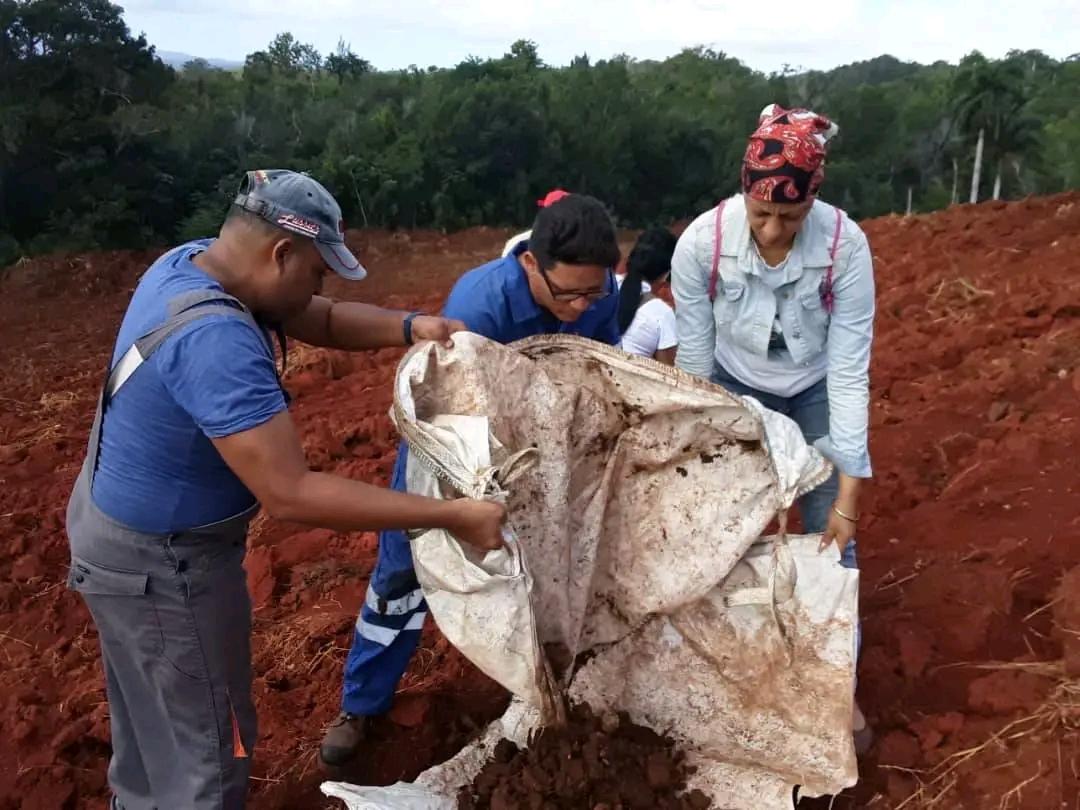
(522, 304)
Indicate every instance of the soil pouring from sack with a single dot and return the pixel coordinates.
(592, 763)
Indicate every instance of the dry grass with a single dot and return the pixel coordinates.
(42, 415)
(285, 646)
(422, 672)
(303, 357)
(298, 766)
(298, 647)
(1017, 792)
(56, 401)
(1059, 714)
(328, 650)
(31, 438)
(890, 580)
(1045, 607)
(5, 639)
(968, 292)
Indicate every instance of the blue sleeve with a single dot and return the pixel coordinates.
(466, 304)
(222, 373)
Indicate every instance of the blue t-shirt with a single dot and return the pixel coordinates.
(157, 470)
(494, 300)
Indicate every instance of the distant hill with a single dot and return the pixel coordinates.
(177, 60)
(871, 72)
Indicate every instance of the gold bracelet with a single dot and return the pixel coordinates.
(845, 517)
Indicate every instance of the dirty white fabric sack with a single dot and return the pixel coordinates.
(676, 475)
(754, 681)
(647, 488)
(481, 598)
(717, 678)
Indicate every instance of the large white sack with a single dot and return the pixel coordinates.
(678, 476)
(770, 712)
(647, 488)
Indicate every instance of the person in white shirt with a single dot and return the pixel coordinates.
(552, 196)
(646, 318)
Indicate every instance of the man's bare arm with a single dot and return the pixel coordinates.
(353, 326)
(269, 459)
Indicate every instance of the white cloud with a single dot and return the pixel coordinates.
(396, 33)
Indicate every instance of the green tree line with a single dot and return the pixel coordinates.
(103, 145)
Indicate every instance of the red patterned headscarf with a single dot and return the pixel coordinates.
(785, 159)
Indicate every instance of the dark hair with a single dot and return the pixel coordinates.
(575, 230)
(650, 260)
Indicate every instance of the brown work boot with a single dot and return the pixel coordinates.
(343, 739)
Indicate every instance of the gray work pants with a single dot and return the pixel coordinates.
(174, 619)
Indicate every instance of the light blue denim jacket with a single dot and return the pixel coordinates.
(746, 307)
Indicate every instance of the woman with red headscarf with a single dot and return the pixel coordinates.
(774, 293)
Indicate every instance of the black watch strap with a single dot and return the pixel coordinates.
(407, 326)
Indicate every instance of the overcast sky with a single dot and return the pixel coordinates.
(764, 35)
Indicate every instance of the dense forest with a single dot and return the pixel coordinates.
(103, 145)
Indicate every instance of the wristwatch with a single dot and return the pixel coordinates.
(407, 326)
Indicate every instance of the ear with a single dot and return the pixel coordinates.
(529, 262)
(280, 251)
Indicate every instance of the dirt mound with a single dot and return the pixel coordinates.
(971, 524)
(592, 762)
(972, 516)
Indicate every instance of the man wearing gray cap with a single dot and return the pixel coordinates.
(191, 435)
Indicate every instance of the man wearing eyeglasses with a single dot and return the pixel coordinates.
(559, 281)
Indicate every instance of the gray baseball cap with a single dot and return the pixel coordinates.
(298, 203)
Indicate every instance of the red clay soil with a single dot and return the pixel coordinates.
(601, 763)
(971, 650)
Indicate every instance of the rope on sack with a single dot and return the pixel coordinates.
(515, 466)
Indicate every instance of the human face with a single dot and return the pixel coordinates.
(774, 225)
(566, 290)
(296, 275)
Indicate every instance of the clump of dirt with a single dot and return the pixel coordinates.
(591, 762)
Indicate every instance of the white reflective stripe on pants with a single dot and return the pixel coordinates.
(393, 607)
(386, 635)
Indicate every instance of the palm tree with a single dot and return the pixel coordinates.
(1016, 137)
(990, 103)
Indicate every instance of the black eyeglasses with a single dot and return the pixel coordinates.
(567, 296)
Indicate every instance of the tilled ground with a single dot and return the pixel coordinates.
(971, 649)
